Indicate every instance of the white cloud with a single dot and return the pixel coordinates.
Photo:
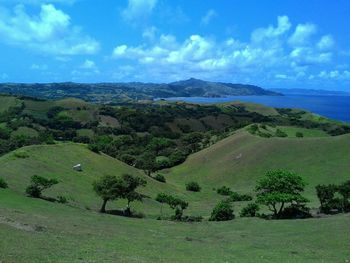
(88, 64)
(334, 75)
(138, 9)
(209, 16)
(326, 42)
(268, 54)
(150, 32)
(42, 67)
(48, 32)
(39, 2)
(302, 34)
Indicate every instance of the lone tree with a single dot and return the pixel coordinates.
(175, 203)
(108, 188)
(38, 185)
(279, 188)
(128, 190)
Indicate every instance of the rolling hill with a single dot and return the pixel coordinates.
(74, 232)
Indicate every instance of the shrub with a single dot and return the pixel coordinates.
(175, 203)
(280, 133)
(299, 134)
(250, 210)
(160, 178)
(223, 211)
(236, 197)
(3, 184)
(224, 190)
(193, 186)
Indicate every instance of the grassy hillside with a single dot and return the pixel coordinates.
(56, 161)
(239, 160)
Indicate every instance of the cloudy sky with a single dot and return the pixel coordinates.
(285, 44)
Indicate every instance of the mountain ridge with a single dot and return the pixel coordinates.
(115, 92)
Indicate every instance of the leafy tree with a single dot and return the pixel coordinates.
(279, 188)
(108, 188)
(250, 210)
(325, 194)
(3, 184)
(38, 185)
(175, 203)
(193, 186)
(223, 211)
(130, 183)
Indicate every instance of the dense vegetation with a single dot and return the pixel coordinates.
(149, 136)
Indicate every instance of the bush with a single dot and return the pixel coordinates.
(193, 186)
(33, 191)
(299, 134)
(250, 210)
(236, 197)
(223, 211)
(3, 184)
(224, 190)
(160, 178)
(280, 133)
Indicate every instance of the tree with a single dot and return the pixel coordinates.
(223, 211)
(3, 184)
(175, 203)
(130, 183)
(279, 188)
(108, 188)
(344, 191)
(325, 194)
(38, 185)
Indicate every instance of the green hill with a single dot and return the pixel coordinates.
(239, 160)
(75, 232)
(57, 161)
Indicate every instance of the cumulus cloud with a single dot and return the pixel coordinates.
(49, 32)
(138, 9)
(269, 50)
(209, 16)
(302, 34)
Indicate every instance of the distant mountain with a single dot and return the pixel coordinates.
(116, 92)
(311, 92)
(196, 87)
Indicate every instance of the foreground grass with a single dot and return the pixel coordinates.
(39, 231)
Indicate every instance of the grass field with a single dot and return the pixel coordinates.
(34, 230)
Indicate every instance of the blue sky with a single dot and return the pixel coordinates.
(274, 44)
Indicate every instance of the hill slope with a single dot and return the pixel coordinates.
(239, 160)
